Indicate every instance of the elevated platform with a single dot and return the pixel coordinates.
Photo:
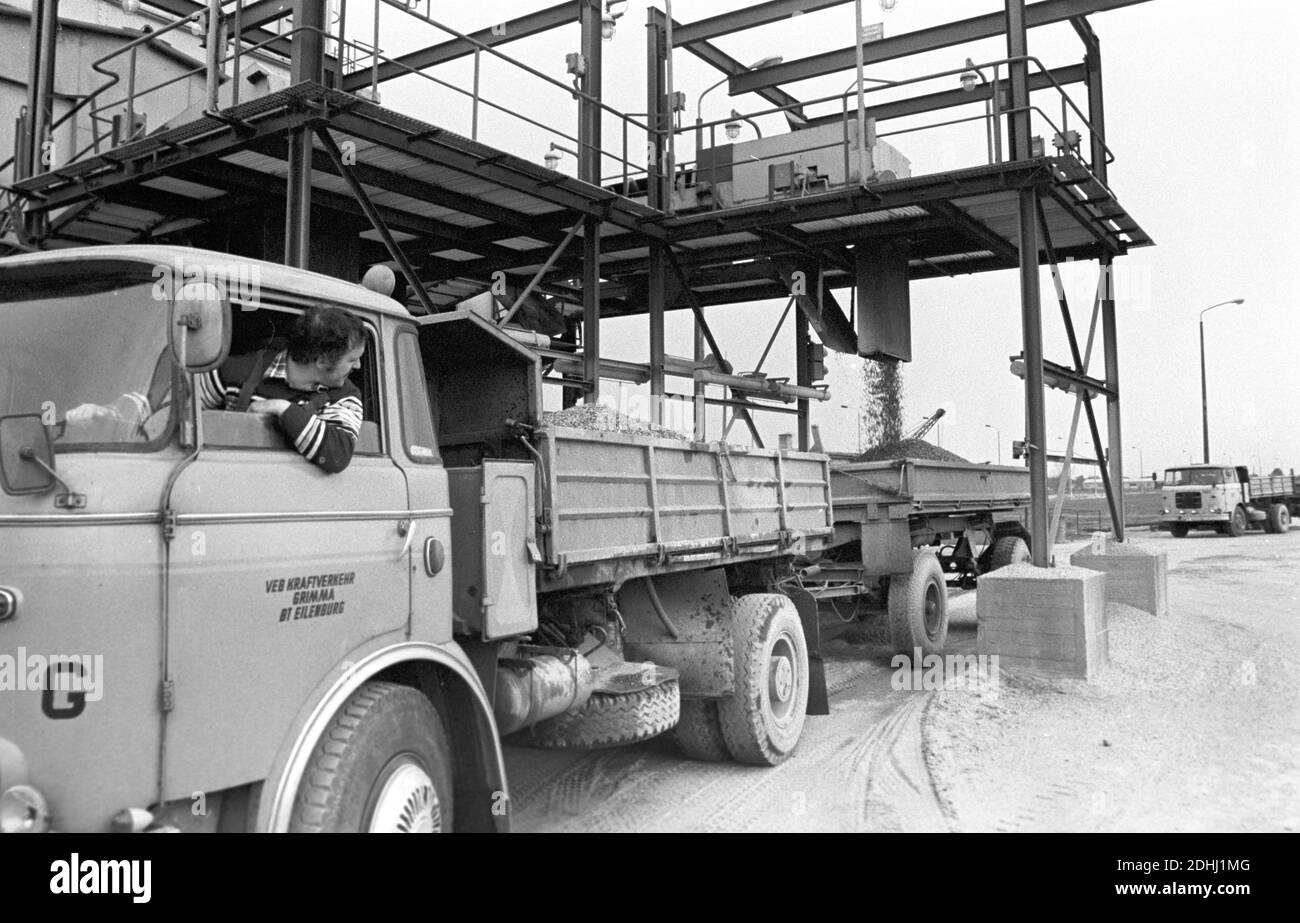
(462, 210)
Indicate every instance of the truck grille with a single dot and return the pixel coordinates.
(1187, 500)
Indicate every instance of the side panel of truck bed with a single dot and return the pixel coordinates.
(615, 496)
(1277, 487)
(927, 486)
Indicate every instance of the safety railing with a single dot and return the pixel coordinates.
(708, 165)
(351, 56)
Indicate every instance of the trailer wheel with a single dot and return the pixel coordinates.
(763, 719)
(1236, 526)
(610, 719)
(918, 606)
(382, 766)
(1279, 518)
(1008, 549)
(1178, 529)
(699, 733)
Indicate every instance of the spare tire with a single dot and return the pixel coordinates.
(610, 720)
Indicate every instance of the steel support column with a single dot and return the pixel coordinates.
(1110, 336)
(1035, 416)
(40, 84)
(308, 64)
(659, 120)
(1110, 346)
(802, 376)
(589, 15)
(297, 203)
(1031, 318)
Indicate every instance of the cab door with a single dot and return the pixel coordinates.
(415, 447)
(277, 571)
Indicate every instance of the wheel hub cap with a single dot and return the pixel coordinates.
(782, 678)
(408, 803)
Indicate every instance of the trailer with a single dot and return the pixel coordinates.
(905, 528)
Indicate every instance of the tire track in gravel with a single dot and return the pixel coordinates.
(860, 768)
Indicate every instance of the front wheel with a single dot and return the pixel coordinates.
(1237, 524)
(764, 717)
(918, 606)
(1178, 529)
(382, 766)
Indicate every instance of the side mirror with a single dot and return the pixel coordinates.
(26, 455)
(199, 327)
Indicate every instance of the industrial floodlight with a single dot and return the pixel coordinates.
(130, 7)
(733, 130)
(887, 5)
(552, 160)
(609, 19)
(970, 76)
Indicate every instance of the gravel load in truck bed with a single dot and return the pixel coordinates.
(602, 419)
(909, 448)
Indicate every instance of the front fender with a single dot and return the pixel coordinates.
(291, 760)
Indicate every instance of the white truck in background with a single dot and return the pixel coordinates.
(1228, 500)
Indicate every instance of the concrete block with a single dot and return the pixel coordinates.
(1135, 576)
(1044, 620)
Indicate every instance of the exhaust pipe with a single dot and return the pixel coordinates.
(540, 683)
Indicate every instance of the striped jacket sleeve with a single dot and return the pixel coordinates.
(327, 437)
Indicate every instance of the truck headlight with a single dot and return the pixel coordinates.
(23, 810)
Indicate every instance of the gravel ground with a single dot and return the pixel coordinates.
(1194, 726)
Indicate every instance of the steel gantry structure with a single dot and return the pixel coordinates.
(319, 174)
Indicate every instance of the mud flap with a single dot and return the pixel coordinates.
(819, 702)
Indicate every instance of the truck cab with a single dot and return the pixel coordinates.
(1213, 497)
(189, 605)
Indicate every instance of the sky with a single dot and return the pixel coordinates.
(1201, 103)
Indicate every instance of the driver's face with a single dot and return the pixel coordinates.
(333, 374)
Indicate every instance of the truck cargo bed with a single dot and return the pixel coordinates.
(626, 505)
(927, 487)
(1277, 487)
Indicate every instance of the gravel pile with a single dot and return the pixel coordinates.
(602, 419)
(909, 448)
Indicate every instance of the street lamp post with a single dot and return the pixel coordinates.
(1205, 412)
(999, 434)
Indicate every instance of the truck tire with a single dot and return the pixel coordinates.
(699, 733)
(918, 606)
(1279, 518)
(610, 719)
(1008, 549)
(1236, 525)
(763, 719)
(1178, 529)
(383, 765)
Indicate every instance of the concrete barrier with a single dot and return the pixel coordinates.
(1046, 620)
(1135, 576)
